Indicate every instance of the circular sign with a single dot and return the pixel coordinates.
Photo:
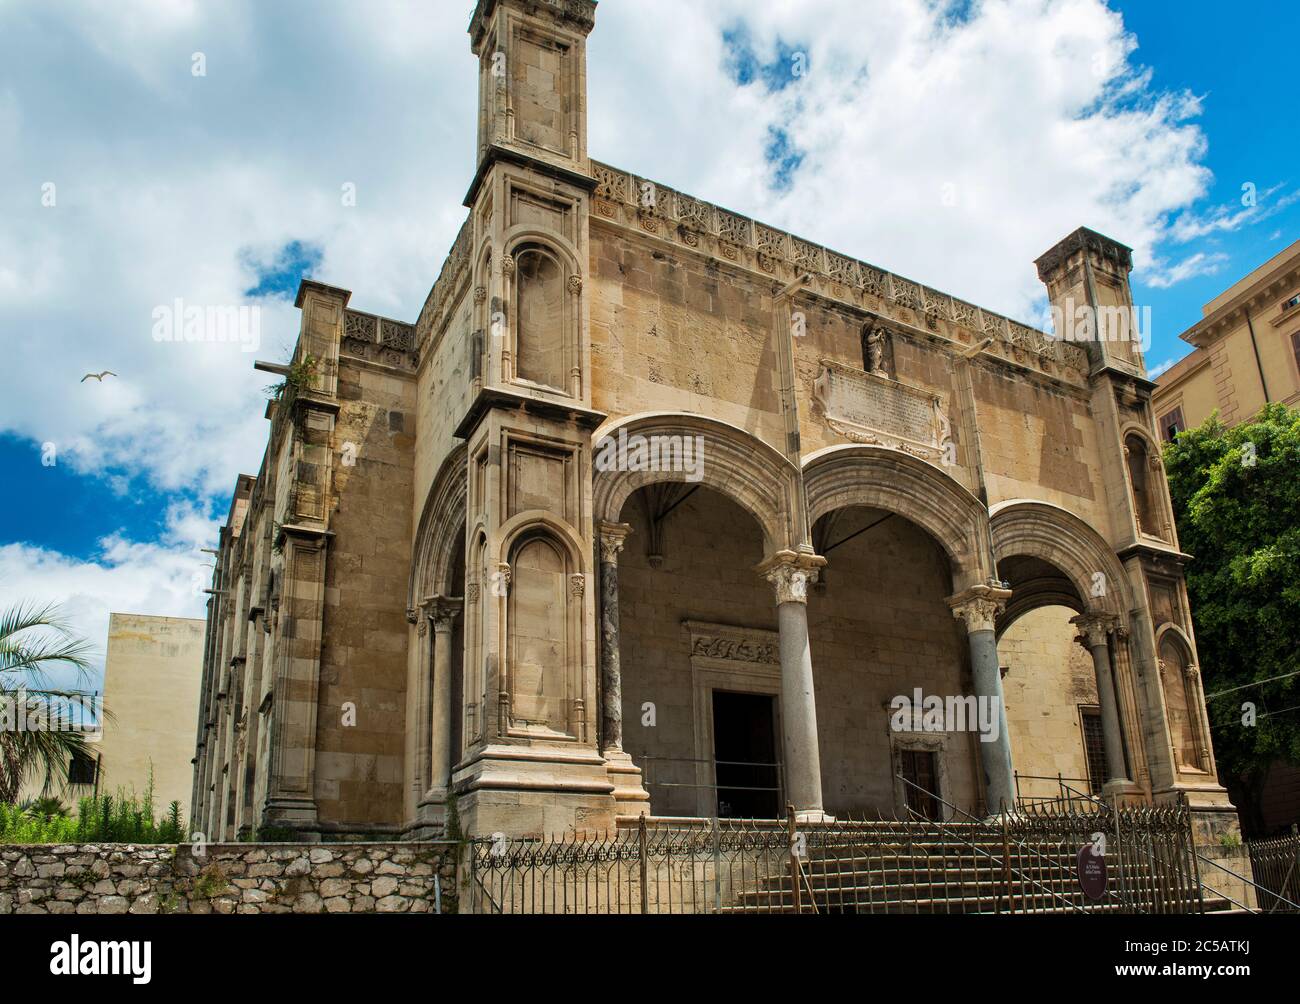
(1092, 872)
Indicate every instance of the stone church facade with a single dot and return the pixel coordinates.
(656, 509)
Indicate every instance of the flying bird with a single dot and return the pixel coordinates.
(98, 376)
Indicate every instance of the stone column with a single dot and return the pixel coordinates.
(978, 608)
(442, 613)
(791, 574)
(1094, 631)
(611, 538)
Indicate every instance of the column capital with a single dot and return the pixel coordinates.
(442, 611)
(612, 537)
(791, 573)
(979, 606)
(1094, 628)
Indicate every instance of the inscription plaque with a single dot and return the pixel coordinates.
(868, 408)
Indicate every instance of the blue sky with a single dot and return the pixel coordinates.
(848, 122)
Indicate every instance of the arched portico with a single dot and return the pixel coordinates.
(1052, 558)
(839, 477)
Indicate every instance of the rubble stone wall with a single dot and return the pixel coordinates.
(228, 878)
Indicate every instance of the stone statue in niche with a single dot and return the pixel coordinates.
(875, 349)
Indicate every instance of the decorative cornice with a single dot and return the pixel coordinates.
(709, 230)
(1112, 252)
(727, 643)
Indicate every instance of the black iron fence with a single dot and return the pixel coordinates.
(1275, 865)
(1025, 862)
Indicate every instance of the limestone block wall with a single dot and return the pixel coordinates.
(363, 657)
(228, 878)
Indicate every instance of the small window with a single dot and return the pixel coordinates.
(1172, 424)
(1293, 302)
(921, 770)
(1094, 748)
(1295, 347)
(81, 769)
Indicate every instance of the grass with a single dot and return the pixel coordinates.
(120, 819)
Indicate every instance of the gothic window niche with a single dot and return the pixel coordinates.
(543, 642)
(545, 319)
(1144, 479)
(1176, 679)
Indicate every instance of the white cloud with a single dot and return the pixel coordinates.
(1161, 275)
(1154, 372)
(164, 577)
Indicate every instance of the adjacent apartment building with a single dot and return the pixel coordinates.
(1246, 352)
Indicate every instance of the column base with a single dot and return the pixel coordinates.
(534, 790)
(630, 795)
(1123, 793)
(296, 814)
(813, 816)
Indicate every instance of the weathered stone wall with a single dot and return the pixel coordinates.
(1049, 676)
(228, 878)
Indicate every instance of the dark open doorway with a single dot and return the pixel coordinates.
(744, 753)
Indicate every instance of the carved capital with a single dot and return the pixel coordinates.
(577, 584)
(507, 265)
(441, 612)
(575, 284)
(480, 294)
(612, 537)
(791, 574)
(979, 606)
(1094, 629)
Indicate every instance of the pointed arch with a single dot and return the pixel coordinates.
(440, 531)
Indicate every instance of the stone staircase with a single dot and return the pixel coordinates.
(920, 868)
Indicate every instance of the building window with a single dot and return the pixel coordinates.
(1293, 302)
(1172, 424)
(81, 769)
(1094, 748)
(1295, 347)
(921, 770)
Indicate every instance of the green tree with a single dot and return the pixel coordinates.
(34, 640)
(1236, 495)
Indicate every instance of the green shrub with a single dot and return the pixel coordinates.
(120, 819)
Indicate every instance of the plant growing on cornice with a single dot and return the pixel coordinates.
(301, 374)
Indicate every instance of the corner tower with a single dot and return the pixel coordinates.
(532, 734)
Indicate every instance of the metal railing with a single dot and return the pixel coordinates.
(1275, 864)
(1019, 862)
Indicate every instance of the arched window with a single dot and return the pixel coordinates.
(1180, 704)
(542, 331)
(539, 636)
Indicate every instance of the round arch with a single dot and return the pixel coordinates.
(733, 462)
(1024, 528)
(440, 531)
(897, 482)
